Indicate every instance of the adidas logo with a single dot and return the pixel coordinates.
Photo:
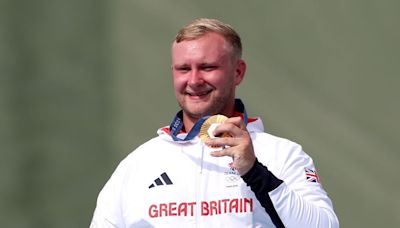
(163, 180)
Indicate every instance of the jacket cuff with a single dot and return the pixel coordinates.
(260, 179)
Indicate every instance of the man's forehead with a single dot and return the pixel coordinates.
(210, 38)
(215, 46)
(199, 57)
(200, 36)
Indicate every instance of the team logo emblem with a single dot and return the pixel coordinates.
(232, 177)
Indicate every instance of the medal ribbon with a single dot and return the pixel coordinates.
(177, 123)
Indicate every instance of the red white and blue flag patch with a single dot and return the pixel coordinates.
(311, 175)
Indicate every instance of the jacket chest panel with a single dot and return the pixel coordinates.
(190, 184)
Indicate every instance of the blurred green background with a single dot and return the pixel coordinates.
(83, 83)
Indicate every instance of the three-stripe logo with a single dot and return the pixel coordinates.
(162, 180)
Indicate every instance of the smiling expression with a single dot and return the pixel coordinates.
(205, 75)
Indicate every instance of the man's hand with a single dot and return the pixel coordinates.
(239, 146)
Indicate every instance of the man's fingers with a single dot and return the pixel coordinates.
(237, 121)
(222, 153)
(221, 142)
(233, 129)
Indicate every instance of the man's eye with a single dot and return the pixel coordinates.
(209, 68)
(183, 69)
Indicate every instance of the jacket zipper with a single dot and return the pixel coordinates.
(199, 192)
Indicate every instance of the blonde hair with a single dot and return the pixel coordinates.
(202, 26)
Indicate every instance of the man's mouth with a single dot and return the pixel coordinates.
(198, 94)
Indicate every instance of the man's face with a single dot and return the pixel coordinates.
(205, 75)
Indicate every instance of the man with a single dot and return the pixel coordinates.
(234, 176)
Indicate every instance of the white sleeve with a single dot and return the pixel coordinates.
(286, 195)
(302, 202)
(108, 209)
(297, 211)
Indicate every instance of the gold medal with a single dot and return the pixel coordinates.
(208, 127)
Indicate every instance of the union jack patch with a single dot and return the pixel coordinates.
(311, 175)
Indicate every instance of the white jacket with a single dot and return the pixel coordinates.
(164, 183)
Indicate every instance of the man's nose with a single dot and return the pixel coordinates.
(196, 78)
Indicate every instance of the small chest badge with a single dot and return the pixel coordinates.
(232, 177)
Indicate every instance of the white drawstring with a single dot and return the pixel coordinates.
(202, 158)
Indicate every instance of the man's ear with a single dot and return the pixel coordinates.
(240, 71)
